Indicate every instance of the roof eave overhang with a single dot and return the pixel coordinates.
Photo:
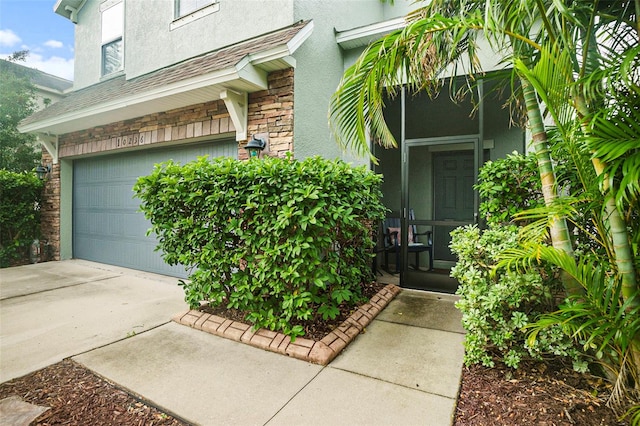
(177, 95)
(69, 9)
(363, 36)
(247, 76)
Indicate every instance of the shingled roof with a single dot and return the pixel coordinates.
(40, 79)
(242, 66)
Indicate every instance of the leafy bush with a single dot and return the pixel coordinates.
(507, 186)
(284, 240)
(498, 306)
(20, 198)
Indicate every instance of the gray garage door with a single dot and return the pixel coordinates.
(107, 226)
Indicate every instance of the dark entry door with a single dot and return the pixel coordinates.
(453, 177)
(437, 196)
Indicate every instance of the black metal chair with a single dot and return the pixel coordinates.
(392, 240)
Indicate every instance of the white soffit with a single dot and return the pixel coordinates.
(363, 36)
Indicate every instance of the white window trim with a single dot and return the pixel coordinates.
(196, 14)
(103, 7)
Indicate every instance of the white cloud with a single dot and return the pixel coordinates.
(55, 44)
(54, 65)
(9, 38)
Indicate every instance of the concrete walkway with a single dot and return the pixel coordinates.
(404, 370)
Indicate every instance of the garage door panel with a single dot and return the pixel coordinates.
(107, 226)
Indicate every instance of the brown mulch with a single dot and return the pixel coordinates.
(79, 397)
(314, 328)
(541, 394)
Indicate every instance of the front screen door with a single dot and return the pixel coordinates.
(437, 196)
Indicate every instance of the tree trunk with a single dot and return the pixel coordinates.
(617, 228)
(558, 229)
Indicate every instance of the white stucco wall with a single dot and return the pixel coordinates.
(319, 69)
(88, 51)
(151, 44)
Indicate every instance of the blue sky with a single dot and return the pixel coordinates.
(32, 25)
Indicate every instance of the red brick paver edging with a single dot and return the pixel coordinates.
(318, 352)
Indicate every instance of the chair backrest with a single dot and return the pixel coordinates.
(394, 224)
(390, 223)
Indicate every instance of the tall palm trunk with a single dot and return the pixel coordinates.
(617, 228)
(558, 228)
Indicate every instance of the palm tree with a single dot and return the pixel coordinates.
(437, 35)
(445, 31)
(589, 87)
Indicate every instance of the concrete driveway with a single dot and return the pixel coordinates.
(54, 310)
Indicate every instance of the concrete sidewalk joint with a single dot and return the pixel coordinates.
(317, 352)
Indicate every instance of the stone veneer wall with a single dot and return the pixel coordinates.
(270, 112)
(50, 210)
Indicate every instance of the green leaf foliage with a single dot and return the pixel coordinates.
(20, 199)
(282, 239)
(497, 306)
(18, 151)
(508, 186)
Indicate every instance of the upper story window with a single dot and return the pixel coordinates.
(112, 32)
(190, 10)
(185, 7)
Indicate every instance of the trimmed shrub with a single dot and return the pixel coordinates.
(498, 306)
(20, 200)
(507, 186)
(284, 240)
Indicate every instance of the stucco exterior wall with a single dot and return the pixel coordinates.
(157, 46)
(399, 8)
(88, 51)
(151, 44)
(320, 67)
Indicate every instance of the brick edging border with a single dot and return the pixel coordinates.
(318, 352)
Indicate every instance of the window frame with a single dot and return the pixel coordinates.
(120, 65)
(111, 39)
(177, 15)
(205, 10)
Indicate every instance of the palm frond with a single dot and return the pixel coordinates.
(552, 78)
(411, 56)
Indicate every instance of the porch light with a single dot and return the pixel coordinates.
(255, 146)
(42, 171)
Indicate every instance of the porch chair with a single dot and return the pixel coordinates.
(392, 240)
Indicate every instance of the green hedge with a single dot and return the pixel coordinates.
(508, 186)
(497, 306)
(282, 239)
(20, 199)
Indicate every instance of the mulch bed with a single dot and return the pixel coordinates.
(542, 394)
(79, 397)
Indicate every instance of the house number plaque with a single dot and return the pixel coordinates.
(131, 140)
